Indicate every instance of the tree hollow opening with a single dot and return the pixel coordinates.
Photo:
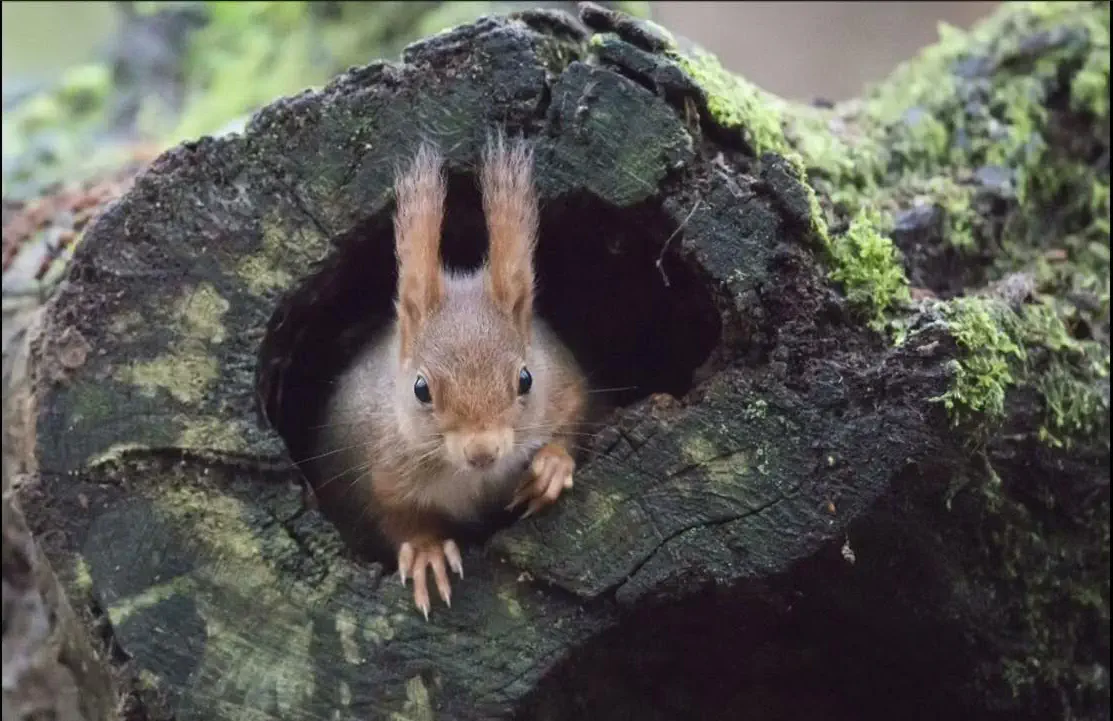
(640, 317)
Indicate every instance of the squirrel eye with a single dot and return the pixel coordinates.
(525, 381)
(421, 390)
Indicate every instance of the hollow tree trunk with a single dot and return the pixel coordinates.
(821, 493)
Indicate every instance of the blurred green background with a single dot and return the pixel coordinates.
(87, 81)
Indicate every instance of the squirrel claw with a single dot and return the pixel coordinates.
(405, 561)
(455, 562)
(413, 561)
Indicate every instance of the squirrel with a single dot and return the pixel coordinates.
(466, 401)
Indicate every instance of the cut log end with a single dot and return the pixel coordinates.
(762, 505)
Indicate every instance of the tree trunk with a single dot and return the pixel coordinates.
(51, 666)
(821, 494)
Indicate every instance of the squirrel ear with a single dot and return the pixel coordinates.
(420, 196)
(510, 205)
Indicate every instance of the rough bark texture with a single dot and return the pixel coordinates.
(782, 519)
(52, 668)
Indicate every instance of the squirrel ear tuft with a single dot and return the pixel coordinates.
(420, 193)
(511, 208)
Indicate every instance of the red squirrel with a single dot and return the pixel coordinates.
(466, 399)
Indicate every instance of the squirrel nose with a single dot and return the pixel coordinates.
(482, 449)
(480, 457)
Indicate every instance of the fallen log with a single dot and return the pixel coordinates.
(821, 491)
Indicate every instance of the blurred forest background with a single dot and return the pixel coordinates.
(92, 90)
(181, 69)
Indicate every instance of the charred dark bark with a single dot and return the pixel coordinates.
(770, 505)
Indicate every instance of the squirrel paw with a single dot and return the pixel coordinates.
(413, 557)
(551, 472)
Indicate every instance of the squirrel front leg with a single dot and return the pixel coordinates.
(420, 540)
(554, 463)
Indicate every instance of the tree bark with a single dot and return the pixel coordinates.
(777, 503)
(52, 668)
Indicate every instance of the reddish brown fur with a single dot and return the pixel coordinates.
(420, 195)
(510, 205)
(468, 336)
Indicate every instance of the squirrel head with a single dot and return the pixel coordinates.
(466, 385)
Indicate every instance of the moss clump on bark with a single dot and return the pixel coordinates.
(1032, 347)
(737, 104)
(984, 374)
(997, 102)
(868, 267)
(863, 260)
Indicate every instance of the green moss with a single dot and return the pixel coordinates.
(924, 81)
(1068, 380)
(863, 260)
(919, 136)
(635, 8)
(1033, 348)
(917, 124)
(925, 140)
(1090, 89)
(1075, 407)
(867, 266)
(985, 371)
(1025, 97)
(736, 104)
(1050, 587)
(957, 203)
(849, 163)
(1099, 208)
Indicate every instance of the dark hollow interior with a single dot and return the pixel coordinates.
(599, 287)
(826, 641)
